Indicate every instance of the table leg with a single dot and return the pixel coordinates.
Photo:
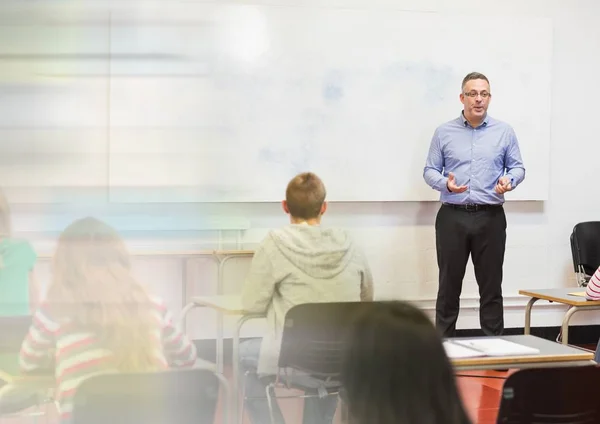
(238, 408)
(219, 352)
(222, 261)
(227, 402)
(565, 324)
(184, 292)
(220, 271)
(527, 329)
(220, 324)
(185, 311)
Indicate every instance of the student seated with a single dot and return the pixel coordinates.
(396, 370)
(97, 318)
(592, 290)
(303, 262)
(18, 291)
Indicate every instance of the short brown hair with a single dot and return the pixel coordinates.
(473, 76)
(305, 195)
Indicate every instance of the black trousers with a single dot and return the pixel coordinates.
(480, 233)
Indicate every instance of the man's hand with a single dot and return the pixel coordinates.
(503, 185)
(451, 184)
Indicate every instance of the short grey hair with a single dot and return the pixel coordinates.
(473, 76)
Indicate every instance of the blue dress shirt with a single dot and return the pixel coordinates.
(478, 157)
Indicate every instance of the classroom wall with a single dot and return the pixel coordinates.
(398, 237)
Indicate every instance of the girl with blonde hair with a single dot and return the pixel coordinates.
(97, 318)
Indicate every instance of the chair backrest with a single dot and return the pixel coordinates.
(585, 246)
(551, 395)
(314, 337)
(13, 330)
(174, 397)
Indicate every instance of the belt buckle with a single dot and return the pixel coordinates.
(471, 207)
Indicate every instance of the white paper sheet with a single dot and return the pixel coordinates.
(497, 347)
(456, 351)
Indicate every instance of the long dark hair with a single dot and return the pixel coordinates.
(396, 371)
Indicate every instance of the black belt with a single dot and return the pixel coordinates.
(473, 207)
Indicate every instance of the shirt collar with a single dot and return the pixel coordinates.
(485, 122)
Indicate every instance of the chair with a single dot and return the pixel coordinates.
(551, 395)
(14, 329)
(16, 399)
(173, 396)
(585, 249)
(312, 345)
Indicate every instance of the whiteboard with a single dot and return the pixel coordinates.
(256, 94)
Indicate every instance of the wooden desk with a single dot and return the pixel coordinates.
(228, 305)
(551, 354)
(221, 256)
(575, 303)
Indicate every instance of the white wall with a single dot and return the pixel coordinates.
(399, 237)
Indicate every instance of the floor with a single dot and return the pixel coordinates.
(480, 391)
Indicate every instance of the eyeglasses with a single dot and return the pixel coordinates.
(483, 94)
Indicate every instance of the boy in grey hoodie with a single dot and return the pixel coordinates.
(300, 263)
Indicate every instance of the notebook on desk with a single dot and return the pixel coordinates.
(472, 348)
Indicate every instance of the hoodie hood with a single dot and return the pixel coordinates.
(316, 251)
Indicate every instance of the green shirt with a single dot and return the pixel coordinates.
(17, 259)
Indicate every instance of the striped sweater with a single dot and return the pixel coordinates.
(77, 355)
(592, 291)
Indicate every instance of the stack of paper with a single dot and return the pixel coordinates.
(492, 347)
(456, 351)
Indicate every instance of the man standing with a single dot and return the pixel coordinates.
(473, 160)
